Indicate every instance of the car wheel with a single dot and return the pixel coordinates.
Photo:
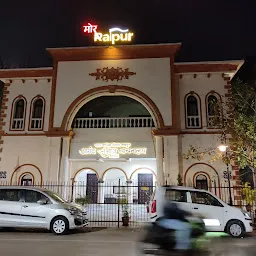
(59, 226)
(235, 228)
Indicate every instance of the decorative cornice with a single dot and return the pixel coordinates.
(26, 73)
(115, 52)
(112, 74)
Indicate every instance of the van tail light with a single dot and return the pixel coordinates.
(153, 207)
(147, 209)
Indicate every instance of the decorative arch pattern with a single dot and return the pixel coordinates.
(141, 168)
(18, 114)
(117, 168)
(109, 90)
(38, 170)
(215, 171)
(20, 180)
(37, 112)
(211, 99)
(86, 168)
(201, 173)
(193, 111)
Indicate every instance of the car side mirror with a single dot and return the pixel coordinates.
(42, 201)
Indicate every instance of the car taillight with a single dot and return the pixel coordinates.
(153, 207)
(147, 209)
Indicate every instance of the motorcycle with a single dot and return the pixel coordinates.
(161, 241)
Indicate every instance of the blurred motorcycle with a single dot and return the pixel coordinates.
(161, 241)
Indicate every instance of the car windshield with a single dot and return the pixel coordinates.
(55, 196)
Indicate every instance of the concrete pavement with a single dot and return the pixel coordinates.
(98, 242)
(104, 242)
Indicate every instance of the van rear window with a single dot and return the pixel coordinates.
(176, 195)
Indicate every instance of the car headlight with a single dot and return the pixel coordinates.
(246, 214)
(72, 211)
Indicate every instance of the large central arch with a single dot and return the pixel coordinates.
(111, 90)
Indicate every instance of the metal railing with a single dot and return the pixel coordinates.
(117, 122)
(18, 123)
(106, 202)
(36, 123)
(193, 122)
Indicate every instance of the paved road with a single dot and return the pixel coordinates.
(105, 242)
(96, 243)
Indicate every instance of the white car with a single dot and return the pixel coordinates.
(218, 216)
(28, 207)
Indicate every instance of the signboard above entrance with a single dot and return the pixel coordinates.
(112, 150)
(113, 36)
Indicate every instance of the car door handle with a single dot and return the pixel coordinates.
(195, 208)
(25, 206)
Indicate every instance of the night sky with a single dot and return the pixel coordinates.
(208, 29)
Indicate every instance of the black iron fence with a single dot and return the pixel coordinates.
(107, 203)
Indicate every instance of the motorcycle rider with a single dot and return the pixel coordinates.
(175, 219)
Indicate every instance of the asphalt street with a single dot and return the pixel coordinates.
(100, 242)
(107, 242)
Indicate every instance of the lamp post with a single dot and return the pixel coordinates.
(223, 149)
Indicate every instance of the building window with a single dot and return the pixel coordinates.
(37, 114)
(201, 182)
(212, 111)
(193, 115)
(18, 117)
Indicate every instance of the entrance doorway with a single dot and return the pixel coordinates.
(26, 180)
(145, 187)
(201, 182)
(92, 187)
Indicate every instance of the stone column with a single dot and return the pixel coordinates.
(64, 167)
(129, 191)
(159, 160)
(171, 158)
(101, 191)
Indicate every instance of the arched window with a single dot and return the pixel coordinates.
(37, 114)
(27, 180)
(193, 115)
(201, 182)
(18, 116)
(212, 110)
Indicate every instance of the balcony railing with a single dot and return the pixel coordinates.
(118, 122)
(18, 124)
(193, 122)
(36, 124)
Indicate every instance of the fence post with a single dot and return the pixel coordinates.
(118, 204)
(72, 189)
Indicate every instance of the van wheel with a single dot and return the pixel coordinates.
(59, 226)
(235, 228)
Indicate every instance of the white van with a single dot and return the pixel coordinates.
(218, 216)
(28, 207)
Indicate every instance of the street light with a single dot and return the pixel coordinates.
(223, 149)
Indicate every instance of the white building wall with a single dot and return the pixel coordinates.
(202, 85)
(29, 89)
(203, 142)
(152, 78)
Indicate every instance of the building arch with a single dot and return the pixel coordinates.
(37, 112)
(142, 168)
(117, 168)
(204, 164)
(202, 173)
(192, 103)
(208, 107)
(26, 174)
(86, 168)
(18, 114)
(32, 165)
(111, 90)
